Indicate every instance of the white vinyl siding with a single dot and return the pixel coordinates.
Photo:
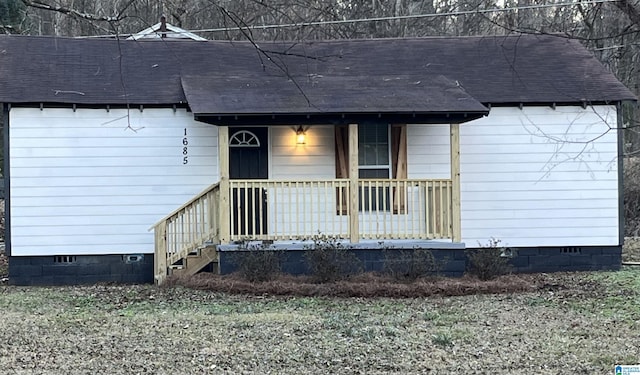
(428, 151)
(541, 177)
(84, 182)
(535, 176)
(313, 160)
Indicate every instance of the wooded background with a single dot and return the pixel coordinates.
(611, 29)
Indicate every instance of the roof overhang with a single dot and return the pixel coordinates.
(337, 118)
(280, 100)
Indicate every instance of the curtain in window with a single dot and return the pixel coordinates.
(342, 166)
(399, 165)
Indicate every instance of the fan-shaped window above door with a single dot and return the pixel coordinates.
(244, 138)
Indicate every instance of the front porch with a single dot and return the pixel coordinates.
(352, 209)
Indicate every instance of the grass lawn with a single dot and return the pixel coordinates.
(573, 322)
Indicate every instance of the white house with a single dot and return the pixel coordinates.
(441, 143)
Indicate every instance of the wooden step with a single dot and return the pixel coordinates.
(187, 272)
(195, 263)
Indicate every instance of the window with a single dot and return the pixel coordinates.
(374, 163)
(373, 150)
(244, 138)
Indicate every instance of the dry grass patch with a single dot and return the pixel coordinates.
(364, 285)
(585, 322)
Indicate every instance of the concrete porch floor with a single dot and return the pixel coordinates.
(362, 245)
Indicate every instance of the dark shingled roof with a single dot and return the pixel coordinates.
(416, 75)
(319, 93)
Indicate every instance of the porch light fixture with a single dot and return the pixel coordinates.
(300, 136)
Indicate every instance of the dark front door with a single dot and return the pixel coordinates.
(248, 160)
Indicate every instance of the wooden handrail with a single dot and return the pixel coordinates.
(185, 230)
(190, 201)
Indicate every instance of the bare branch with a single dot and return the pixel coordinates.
(7, 29)
(630, 10)
(261, 52)
(74, 12)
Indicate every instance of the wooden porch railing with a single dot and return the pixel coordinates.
(405, 209)
(186, 229)
(289, 210)
(296, 210)
(388, 209)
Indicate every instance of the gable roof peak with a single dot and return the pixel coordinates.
(164, 30)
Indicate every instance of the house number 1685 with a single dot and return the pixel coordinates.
(185, 151)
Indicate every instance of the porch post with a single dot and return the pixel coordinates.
(354, 230)
(454, 141)
(224, 204)
(160, 253)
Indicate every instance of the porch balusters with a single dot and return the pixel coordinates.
(384, 209)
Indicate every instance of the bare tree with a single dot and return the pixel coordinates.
(610, 29)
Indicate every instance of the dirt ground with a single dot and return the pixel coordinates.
(519, 324)
(582, 322)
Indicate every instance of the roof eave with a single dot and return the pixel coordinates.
(230, 119)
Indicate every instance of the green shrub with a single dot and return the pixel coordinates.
(329, 260)
(257, 262)
(410, 264)
(490, 260)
